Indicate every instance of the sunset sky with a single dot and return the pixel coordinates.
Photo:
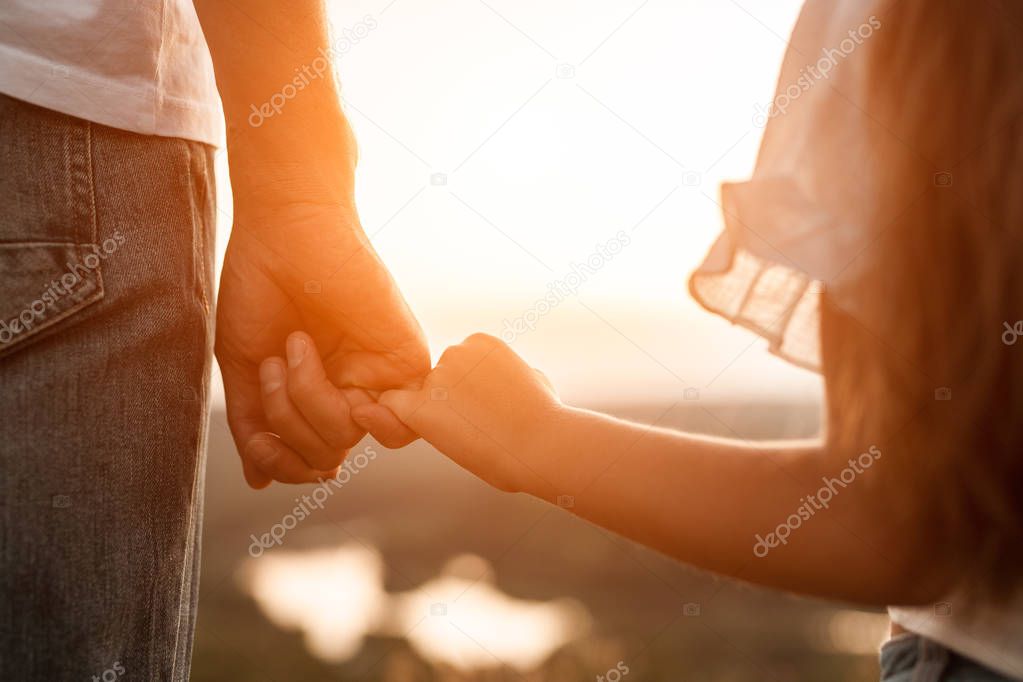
(526, 132)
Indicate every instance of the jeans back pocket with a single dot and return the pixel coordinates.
(50, 263)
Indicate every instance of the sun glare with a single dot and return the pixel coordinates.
(495, 162)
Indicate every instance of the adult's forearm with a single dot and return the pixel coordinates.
(286, 133)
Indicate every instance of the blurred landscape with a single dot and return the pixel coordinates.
(500, 143)
(416, 571)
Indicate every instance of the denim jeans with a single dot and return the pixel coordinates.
(106, 256)
(912, 658)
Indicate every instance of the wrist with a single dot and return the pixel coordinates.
(553, 456)
(307, 156)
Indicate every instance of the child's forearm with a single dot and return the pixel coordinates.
(706, 501)
(702, 500)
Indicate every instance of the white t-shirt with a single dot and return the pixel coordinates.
(790, 230)
(137, 65)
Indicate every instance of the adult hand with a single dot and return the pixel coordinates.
(309, 266)
(298, 258)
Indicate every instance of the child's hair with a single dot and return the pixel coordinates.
(930, 370)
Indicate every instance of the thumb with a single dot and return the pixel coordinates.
(386, 421)
(403, 403)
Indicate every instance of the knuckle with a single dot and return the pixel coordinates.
(482, 340)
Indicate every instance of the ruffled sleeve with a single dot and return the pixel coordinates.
(797, 228)
(751, 282)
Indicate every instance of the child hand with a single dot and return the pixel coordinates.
(485, 408)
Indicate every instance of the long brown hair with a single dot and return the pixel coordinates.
(930, 370)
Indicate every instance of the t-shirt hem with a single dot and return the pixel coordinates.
(141, 109)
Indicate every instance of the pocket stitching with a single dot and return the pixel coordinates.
(50, 323)
(83, 188)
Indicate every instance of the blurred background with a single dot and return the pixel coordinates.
(503, 145)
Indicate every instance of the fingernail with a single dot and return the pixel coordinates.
(271, 375)
(296, 350)
(261, 451)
